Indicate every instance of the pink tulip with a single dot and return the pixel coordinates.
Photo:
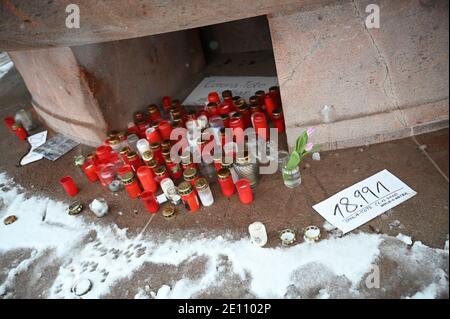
(309, 147)
(310, 131)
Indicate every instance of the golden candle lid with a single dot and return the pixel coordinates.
(10, 219)
(260, 93)
(122, 135)
(155, 145)
(155, 124)
(236, 115)
(114, 140)
(223, 173)
(211, 104)
(185, 188)
(168, 211)
(131, 154)
(277, 112)
(91, 156)
(227, 93)
(166, 144)
(147, 156)
(186, 158)
(113, 133)
(152, 108)
(160, 170)
(274, 89)
(125, 150)
(152, 163)
(201, 183)
(127, 177)
(253, 100)
(189, 173)
(15, 126)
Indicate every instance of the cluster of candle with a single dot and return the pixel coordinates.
(17, 128)
(141, 159)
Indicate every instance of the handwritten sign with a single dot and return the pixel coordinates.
(357, 204)
(243, 86)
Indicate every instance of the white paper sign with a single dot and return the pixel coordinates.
(363, 201)
(243, 86)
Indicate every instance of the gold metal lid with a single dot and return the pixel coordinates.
(287, 237)
(277, 112)
(125, 150)
(236, 98)
(113, 133)
(75, 208)
(79, 160)
(114, 140)
(155, 124)
(185, 188)
(186, 158)
(274, 88)
(147, 156)
(166, 152)
(131, 154)
(127, 177)
(211, 104)
(201, 183)
(155, 145)
(160, 170)
(152, 108)
(16, 125)
(236, 115)
(168, 211)
(138, 116)
(223, 173)
(91, 156)
(152, 163)
(253, 100)
(10, 219)
(189, 173)
(227, 93)
(122, 135)
(224, 117)
(166, 144)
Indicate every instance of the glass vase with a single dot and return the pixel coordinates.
(291, 177)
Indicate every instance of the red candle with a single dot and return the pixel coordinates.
(9, 121)
(226, 182)
(155, 115)
(270, 104)
(152, 135)
(245, 191)
(103, 152)
(145, 176)
(174, 168)
(261, 95)
(157, 152)
(89, 170)
(189, 197)
(166, 102)
(278, 120)
(212, 109)
(160, 173)
(150, 201)
(134, 160)
(69, 185)
(165, 129)
(274, 91)
(237, 125)
(21, 133)
(213, 97)
(131, 184)
(260, 125)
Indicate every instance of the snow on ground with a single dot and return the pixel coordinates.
(5, 64)
(110, 258)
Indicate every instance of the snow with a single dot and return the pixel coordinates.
(5, 64)
(108, 256)
(406, 239)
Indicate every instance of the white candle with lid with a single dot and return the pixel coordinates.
(143, 145)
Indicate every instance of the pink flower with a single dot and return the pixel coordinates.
(309, 147)
(310, 131)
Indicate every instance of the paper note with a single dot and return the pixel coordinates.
(35, 141)
(362, 202)
(243, 86)
(56, 147)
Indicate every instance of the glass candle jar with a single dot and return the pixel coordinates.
(152, 135)
(226, 182)
(189, 197)
(145, 176)
(25, 118)
(131, 185)
(134, 160)
(247, 168)
(132, 140)
(204, 192)
(174, 196)
(108, 174)
(152, 164)
(160, 173)
(291, 177)
(150, 202)
(278, 120)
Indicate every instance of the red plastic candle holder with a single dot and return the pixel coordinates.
(245, 191)
(89, 170)
(150, 202)
(145, 176)
(103, 152)
(165, 129)
(69, 185)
